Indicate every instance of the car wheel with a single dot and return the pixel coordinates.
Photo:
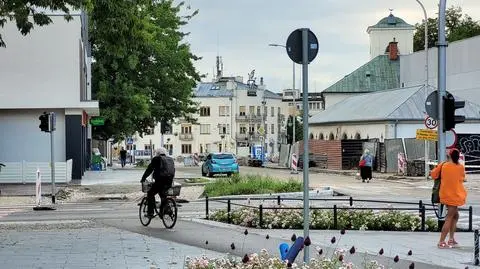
(210, 174)
(203, 173)
(229, 174)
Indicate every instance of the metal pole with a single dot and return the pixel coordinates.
(151, 150)
(442, 89)
(294, 170)
(427, 145)
(306, 201)
(442, 80)
(52, 162)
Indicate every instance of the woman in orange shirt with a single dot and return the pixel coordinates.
(452, 194)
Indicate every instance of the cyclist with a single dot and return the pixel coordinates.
(163, 168)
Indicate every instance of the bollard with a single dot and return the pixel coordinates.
(335, 223)
(476, 260)
(423, 218)
(229, 208)
(260, 221)
(206, 208)
(351, 201)
(420, 204)
(470, 218)
(278, 200)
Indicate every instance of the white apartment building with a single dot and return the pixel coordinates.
(46, 70)
(228, 121)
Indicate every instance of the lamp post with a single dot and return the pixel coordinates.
(294, 100)
(427, 145)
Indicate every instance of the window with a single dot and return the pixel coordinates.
(186, 148)
(224, 128)
(243, 129)
(251, 128)
(147, 147)
(259, 111)
(243, 110)
(149, 131)
(186, 129)
(272, 112)
(205, 111)
(169, 147)
(223, 111)
(251, 110)
(272, 129)
(265, 111)
(279, 111)
(204, 128)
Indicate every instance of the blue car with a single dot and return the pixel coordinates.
(220, 163)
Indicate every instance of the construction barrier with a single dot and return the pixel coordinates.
(196, 159)
(294, 162)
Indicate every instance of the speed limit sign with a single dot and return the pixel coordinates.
(431, 123)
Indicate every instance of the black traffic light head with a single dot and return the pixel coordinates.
(449, 107)
(44, 122)
(165, 127)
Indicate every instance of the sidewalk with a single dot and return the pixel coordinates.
(92, 248)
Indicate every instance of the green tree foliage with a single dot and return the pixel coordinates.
(458, 27)
(142, 72)
(27, 13)
(298, 130)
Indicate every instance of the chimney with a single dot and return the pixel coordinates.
(393, 50)
(261, 81)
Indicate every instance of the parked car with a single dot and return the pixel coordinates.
(220, 163)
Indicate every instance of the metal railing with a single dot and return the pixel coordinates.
(186, 137)
(420, 206)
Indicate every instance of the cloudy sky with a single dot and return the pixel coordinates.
(240, 31)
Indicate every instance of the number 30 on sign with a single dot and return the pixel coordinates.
(431, 123)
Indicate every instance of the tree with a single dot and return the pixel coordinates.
(20, 11)
(298, 130)
(458, 27)
(142, 73)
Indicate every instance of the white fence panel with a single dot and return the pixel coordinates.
(25, 172)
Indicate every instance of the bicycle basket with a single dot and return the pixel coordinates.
(174, 190)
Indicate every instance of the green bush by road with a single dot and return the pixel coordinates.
(250, 184)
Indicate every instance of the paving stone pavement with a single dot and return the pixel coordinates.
(92, 248)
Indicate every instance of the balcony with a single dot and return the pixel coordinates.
(247, 137)
(249, 118)
(186, 137)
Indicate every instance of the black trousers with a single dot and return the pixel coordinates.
(366, 172)
(159, 188)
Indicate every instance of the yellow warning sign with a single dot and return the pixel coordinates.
(426, 134)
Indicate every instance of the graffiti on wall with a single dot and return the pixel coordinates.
(469, 145)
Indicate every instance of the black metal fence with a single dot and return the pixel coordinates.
(419, 206)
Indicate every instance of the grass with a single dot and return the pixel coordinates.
(250, 184)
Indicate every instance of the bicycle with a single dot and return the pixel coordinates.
(168, 213)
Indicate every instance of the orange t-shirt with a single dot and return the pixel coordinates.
(452, 191)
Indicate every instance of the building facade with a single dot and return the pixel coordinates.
(228, 120)
(43, 72)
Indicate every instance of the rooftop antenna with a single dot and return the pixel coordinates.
(391, 10)
(219, 59)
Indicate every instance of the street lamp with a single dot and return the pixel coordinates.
(294, 97)
(426, 81)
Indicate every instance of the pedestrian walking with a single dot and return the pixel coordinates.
(452, 195)
(123, 157)
(366, 164)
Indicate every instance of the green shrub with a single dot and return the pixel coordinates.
(250, 184)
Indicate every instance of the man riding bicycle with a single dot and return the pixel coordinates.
(163, 168)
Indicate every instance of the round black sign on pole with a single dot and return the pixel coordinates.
(294, 46)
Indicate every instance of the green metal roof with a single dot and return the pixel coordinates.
(379, 74)
(391, 22)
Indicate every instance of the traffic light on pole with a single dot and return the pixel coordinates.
(165, 127)
(449, 107)
(44, 122)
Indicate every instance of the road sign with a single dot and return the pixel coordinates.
(431, 123)
(261, 130)
(129, 141)
(97, 121)
(294, 46)
(450, 139)
(426, 134)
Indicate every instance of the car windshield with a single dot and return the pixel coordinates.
(223, 156)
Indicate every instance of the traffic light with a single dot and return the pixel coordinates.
(449, 107)
(44, 122)
(165, 128)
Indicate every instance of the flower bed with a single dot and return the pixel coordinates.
(322, 219)
(339, 259)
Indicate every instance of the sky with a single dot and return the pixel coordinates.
(240, 31)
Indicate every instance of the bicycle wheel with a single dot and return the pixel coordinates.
(169, 213)
(142, 212)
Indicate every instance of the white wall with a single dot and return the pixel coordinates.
(41, 69)
(374, 130)
(463, 68)
(380, 38)
(22, 139)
